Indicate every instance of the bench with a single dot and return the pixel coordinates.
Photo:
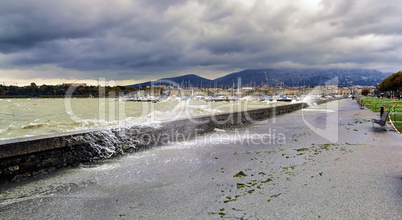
(382, 121)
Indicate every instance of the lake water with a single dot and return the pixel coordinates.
(30, 117)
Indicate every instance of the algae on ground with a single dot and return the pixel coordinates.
(240, 174)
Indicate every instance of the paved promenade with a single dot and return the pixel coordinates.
(325, 162)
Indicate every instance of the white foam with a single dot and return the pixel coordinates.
(102, 167)
(317, 110)
(219, 130)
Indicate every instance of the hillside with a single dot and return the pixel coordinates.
(280, 77)
(185, 80)
(302, 77)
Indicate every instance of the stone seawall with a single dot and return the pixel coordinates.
(23, 158)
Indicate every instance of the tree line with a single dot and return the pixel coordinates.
(392, 83)
(59, 91)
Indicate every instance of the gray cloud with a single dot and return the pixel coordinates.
(126, 38)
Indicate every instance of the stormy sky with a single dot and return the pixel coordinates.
(135, 40)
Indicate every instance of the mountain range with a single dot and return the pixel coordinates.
(278, 77)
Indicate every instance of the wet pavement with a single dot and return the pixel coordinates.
(325, 162)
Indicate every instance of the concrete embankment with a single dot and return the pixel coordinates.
(27, 157)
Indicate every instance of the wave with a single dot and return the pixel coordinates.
(181, 110)
(35, 125)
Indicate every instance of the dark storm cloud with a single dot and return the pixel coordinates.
(154, 37)
(25, 24)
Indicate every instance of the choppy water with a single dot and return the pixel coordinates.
(30, 117)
